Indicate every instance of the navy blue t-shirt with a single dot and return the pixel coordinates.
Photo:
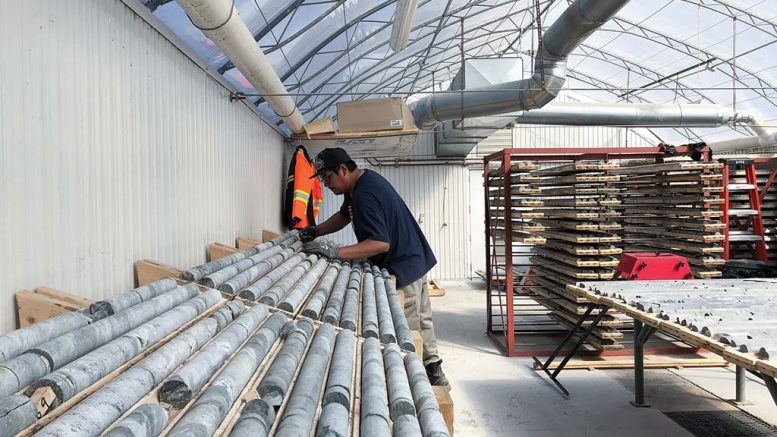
(378, 213)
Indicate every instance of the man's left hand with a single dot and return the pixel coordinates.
(326, 248)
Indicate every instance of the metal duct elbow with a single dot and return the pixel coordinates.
(550, 71)
(220, 21)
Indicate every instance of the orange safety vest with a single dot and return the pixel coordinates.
(304, 195)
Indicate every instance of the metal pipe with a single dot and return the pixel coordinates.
(404, 337)
(374, 402)
(336, 405)
(741, 384)
(285, 284)
(387, 332)
(320, 296)
(300, 412)
(369, 307)
(148, 420)
(294, 297)
(277, 380)
(17, 373)
(260, 287)
(574, 25)
(255, 420)
(429, 415)
(179, 389)
(97, 412)
(221, 23)
(261, 268)
(639, 365)
(77, 375)
(204, 417)
(335, 304)
(628, 114)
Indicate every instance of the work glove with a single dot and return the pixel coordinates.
(325, 248)
(308, 234)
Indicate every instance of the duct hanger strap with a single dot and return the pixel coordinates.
(208, 29)
(538, 20)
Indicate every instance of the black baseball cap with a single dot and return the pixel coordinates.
(330, 159)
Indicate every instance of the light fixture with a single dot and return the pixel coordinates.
(403, 21)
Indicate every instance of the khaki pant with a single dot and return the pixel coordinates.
(418, 311)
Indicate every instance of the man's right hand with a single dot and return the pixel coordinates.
(308, 234)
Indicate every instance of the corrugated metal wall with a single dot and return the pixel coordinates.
(438, 198)
(116, 147)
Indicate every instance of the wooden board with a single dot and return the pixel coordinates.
(673, 212)
(675, 189)
(445, 402)
(246, 243)
(418, 342)
(518, 167)
(148, 271)
(575, 261)
(668, 167)
(44, 303)
(676, 233)
(650, 362)
(576, 249)
(321, 126)
(673, 200)
(435, 289)
(686, 246)
(675, 177)
(686, 223)
(575, 191)
(584, 178)
(219, 250)
(268, 235)
(576, 167)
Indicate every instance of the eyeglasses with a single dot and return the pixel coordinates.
(325, 178)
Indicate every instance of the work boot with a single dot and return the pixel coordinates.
(435, 374)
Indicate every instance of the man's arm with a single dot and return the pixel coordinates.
(333, 224)
(365, 249)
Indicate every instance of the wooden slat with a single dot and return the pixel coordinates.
(575, 167)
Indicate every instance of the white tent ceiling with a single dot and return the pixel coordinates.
(659, 51)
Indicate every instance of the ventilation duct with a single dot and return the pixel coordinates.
(574, 25)
(220, 21)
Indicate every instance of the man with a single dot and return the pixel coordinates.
(388, 235)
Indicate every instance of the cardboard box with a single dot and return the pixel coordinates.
(323, 126)
(374, 115)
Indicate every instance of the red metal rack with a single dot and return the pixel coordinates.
(503, 291)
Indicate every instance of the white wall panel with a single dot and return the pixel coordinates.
(114, 147)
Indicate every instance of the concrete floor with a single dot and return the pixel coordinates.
(494, 395)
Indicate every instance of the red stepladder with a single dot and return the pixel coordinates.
(743, 225)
